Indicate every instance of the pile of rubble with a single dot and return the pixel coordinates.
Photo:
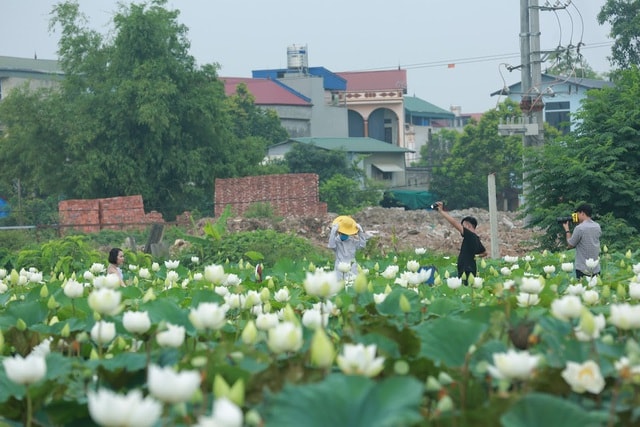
(396, 229)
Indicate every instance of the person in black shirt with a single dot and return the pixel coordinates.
(471, 244)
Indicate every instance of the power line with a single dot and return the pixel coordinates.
(469, 60)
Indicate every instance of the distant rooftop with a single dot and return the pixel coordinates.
(266, 91)
(11, 66)
(375, 80)
(420, 107)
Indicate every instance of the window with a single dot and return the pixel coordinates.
(557, 114)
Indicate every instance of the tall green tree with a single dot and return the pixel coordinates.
(570, 62)
(461, 179)
(624, 18)
(307, 158)
(133, 115)
(434, 152)
(599, 163)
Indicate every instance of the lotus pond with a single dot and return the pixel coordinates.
(293, 344)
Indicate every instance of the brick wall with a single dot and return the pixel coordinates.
(288, 194)
(114, 213)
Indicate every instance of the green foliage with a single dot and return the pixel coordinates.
(133, 115)
(272, 245)
(622, 16)
(260, 210)
(347, 401)
(61, 256)
(436, 151)
(597, 164)
(307, 158)
(461, 178)
(345, 195)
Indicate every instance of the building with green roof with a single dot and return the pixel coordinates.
(379, 160)
(35, 73)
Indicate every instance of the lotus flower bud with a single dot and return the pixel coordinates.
(322, 350)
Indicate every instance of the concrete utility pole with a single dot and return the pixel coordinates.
(531, 104)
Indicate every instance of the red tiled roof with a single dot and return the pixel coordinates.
(375, 80)
(265, 91)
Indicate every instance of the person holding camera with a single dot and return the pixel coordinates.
(586, 239)
(471, 245)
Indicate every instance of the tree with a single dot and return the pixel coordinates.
(624, 18)
(307, 158)
(461, 179)
(346, 196)
(570, 62)
(599, 164)
(434, 152)
(133, 115)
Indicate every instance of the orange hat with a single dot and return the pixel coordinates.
(346, 225)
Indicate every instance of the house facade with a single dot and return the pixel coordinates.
(562, 97)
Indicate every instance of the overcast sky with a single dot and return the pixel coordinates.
(422, 36)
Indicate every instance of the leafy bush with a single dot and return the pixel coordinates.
(260, 210)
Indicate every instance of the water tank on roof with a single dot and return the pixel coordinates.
(297, 57)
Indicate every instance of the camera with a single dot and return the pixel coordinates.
(573, 218)
(433, 206)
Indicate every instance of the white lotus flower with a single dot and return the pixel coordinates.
(636, 268)
(531, 285)
(136, 322)
(344, 267)
(266, 321)
(208, 315)
(110, 409)
(313, 319)
(577, 289)
(282, 295)
(322, 283)
(379, 298)
(567, 307)
(454, 282)
(358, 359)
(584, 377)
(3, 273)
(195, 259)
(232, 280)
(73, 288)
(477, 282)
(510, 259)
(634, 290)
(225, 413)
(592, 263)
(548, 269)
(420, 251)
(513, 365)
(144, 273)
(25, 370)
(505, 271)
(567, 267)
(105, 301)
(172, 337)
(508, 284)
(251, 299)
(111, 281)
(413, 265)
(171, 264)
(625, 316)
(155, 267)
(214, 273)
(97, 268)
(170, 386)
(599, 324)
(285, 336)
(590, 297)
(390, 272)
(234, 300)
(527, 300)
(103, 332)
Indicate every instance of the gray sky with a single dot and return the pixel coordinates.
(422, 36)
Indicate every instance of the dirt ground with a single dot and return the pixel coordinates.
(396, 229)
